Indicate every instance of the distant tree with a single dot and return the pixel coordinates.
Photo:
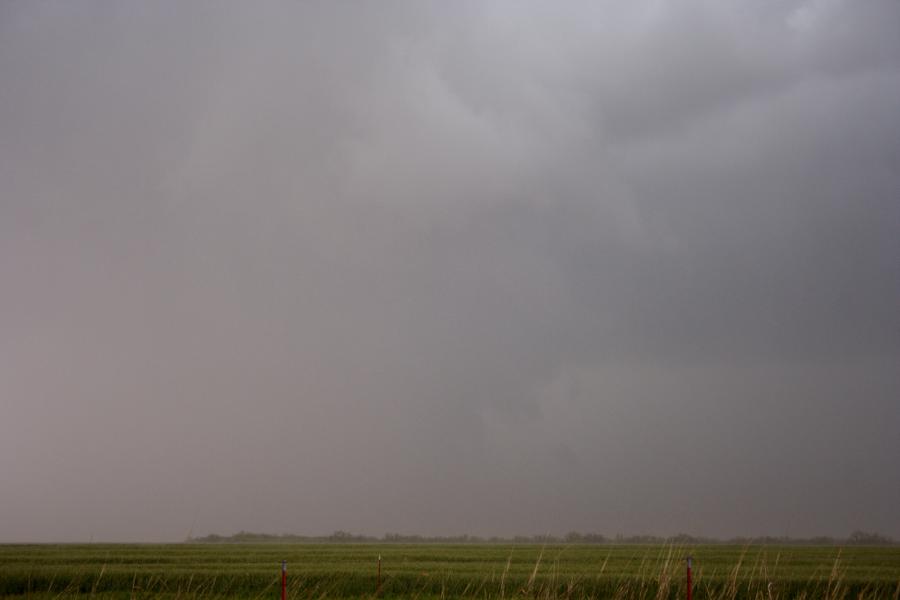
(574, 537)
(865, 538)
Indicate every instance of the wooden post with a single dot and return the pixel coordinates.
(690, 586)
(284, 580)
(378, 583)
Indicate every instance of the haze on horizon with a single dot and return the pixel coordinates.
(454, 267)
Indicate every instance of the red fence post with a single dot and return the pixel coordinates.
(284, 580)
(689, 585)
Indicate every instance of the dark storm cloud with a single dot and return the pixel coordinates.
(504, 268)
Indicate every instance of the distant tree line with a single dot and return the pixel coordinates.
(857, 538)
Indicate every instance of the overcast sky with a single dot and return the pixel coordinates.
(463, 267)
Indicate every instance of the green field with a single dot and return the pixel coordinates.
(446, 571)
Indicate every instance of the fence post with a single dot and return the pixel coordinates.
(689, 585)
(284, 580)
(378, 583)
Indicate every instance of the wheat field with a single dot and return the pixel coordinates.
(483, 571)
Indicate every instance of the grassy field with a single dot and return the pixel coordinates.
(446, 571)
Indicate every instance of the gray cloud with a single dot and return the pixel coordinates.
(496, 269)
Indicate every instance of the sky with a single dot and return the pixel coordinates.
(439, 268)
